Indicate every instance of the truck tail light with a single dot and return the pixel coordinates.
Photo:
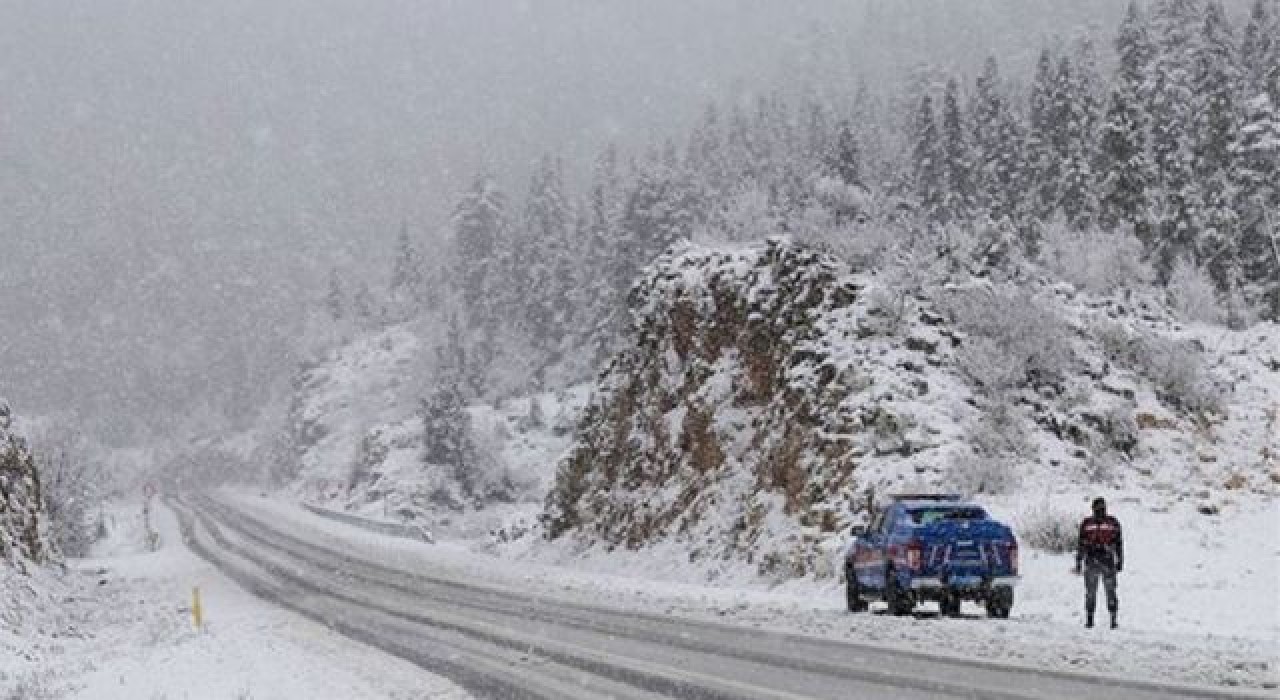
(915, 555)
(1012, 552)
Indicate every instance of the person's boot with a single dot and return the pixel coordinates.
(1088, 619)
(1114, 622)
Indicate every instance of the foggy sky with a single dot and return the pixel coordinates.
(177, 176)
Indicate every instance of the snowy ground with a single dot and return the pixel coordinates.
(1200, 626)
(122, 629)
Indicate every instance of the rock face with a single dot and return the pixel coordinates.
(22, 538)
(723, 423)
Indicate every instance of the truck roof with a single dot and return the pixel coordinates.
(935, 503)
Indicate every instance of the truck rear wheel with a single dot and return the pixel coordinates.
(1000, 602)
(949, 605)
(900, 603)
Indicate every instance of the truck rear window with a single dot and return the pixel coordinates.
(924, 516)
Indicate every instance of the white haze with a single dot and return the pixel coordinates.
(177, 176)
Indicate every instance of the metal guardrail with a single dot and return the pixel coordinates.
(382, 527)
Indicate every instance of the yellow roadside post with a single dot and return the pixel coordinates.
(197, 613)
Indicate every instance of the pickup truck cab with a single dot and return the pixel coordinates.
(932, 547)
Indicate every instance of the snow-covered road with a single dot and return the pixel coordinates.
(500, 641)
(120, 628)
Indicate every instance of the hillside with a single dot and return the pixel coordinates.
(767, 392)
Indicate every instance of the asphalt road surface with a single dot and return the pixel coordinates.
(501, 643)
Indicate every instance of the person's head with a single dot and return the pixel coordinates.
(1099, 506)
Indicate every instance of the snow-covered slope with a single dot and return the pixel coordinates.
(765, 393)
(358, 435)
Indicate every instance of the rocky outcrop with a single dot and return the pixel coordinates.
(22, 538)
(736, 415)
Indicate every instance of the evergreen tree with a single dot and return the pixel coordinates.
(1258, 202)
(1215, 131)
(549, 257)
(661, 209)
(1042, 161)
(1125, 171)
(446, 426)
(479, 227)
(1170, 90)
(1135, 52)
(1077, 109)
(1260, 51)
(408, 279)
(844, 160)
(335, 299)
(928, 171)
(958, 191)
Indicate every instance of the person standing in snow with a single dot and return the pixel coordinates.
(1100, 551)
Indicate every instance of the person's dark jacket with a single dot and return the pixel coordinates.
(1101, 543)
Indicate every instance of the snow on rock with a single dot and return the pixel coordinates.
(740, 416)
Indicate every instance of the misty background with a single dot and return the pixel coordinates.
(178, 178)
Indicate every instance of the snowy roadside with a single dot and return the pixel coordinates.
(123, 630)
(1170, 636)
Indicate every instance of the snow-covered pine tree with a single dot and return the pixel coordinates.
(1042, 162)
(550, 257)
(1258, 202)
(365, 309)
(479, 225)
(661, 209)
(603, 292)
(1215, 130)
(958, 191)
(408, 285)
(1077, 108)
(335, 299)
(1124, 171)
(996, 142)
(447, 442)
(927, 158)
(1171, 93)
(1135, 51)
(843, 160)
(1260, 51)
(705, 156)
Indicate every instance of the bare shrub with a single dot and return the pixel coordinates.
(1048, 530)
(972, 474)
(1180, 374)
(1015, 339)
(1177, 367)
(1193, 295)
(1099, 263)
(72, 484)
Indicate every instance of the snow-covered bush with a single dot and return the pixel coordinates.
(1192, 294)
(1048, 530)
(1015, 340)
(971, 473)
(70, 484)
(1181, 376)
(1096, 262)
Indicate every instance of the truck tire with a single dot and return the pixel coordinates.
(1000, 602)
(949, 606)
(853, 593)
(900, 604)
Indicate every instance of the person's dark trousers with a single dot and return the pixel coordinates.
(1107, 574)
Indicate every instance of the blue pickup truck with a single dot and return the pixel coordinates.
(932, 547)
